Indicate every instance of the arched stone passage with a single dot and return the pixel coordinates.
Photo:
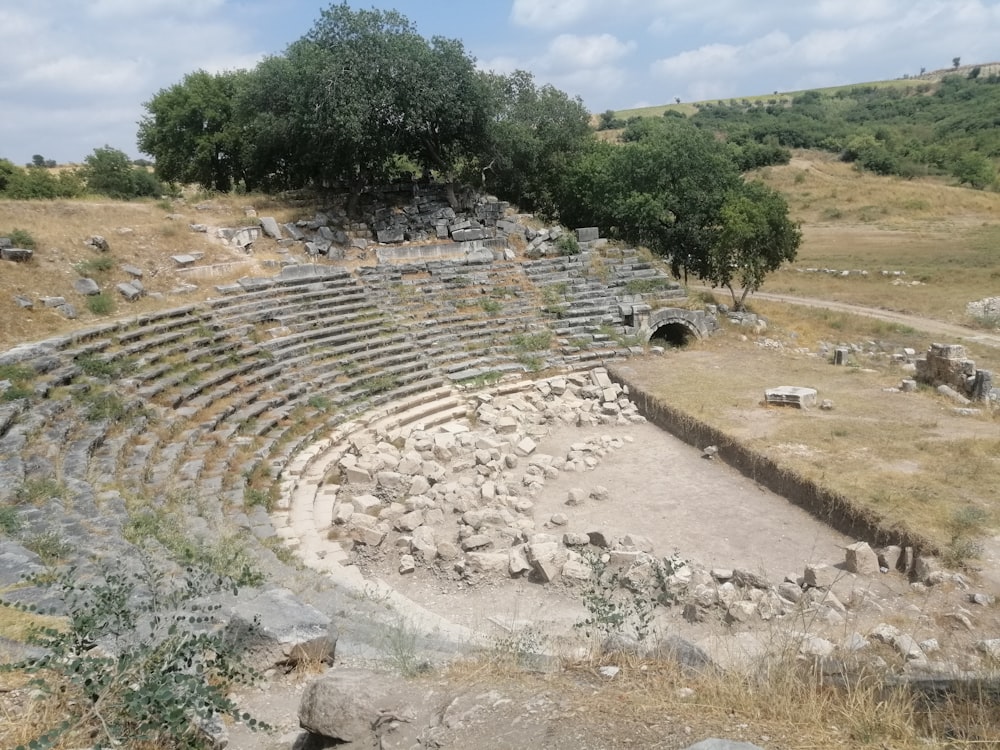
(674, 334)
(674, 325)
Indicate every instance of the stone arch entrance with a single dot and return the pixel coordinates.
(674, 333)
(674, 325)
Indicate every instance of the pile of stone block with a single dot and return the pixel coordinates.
(948, 365)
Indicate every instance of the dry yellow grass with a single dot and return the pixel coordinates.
(907, 458)
(139, 233)
(944, 237)
(781, 704)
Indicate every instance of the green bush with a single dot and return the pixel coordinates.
(106, 405)
(163, 671)
(10, 521)
(22, 238)
(101, 304)
(95, 266)
(109, 172)
(567, 245)
(40, 184)
(38, 490)
(49, 546)
(490, 306)
(532, 342)
(96, 367)
(19, 378)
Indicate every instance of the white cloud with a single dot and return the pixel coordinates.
(589, 52)
(151, 8)
(77, 75)
(550, 14)
(70, 65)
(574, 63)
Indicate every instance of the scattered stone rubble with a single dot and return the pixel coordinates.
(459, 497)
(456, 501)
(987, 310)
(481, 224)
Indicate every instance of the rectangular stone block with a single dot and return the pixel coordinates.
(791, 395)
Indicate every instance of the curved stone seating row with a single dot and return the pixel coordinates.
(266, 382)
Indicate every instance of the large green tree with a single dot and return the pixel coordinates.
(663, 188)
(191, 130)
(534, 133)
(756, 237)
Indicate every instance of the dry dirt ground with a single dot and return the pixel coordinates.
(660, 488)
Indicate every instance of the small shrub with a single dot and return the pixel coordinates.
(38, 490)
(99, 368)
(490, 306)
(553, 297)
(49, 546)
(101, 304)
(226, 557)
(531, 362)
(94, 266)
(160, 674)
(618, 606)
(16, 392)
(532, 342)
(253, 497)
(107, 405)
(22, 238)
(642, 286)
(567, 244)
(10, 521)
(319, 402)
(965, 524)
(378, 384)
(400, 641)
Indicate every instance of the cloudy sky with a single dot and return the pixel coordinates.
(74, 73)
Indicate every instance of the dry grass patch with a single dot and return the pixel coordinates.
(782, 703)
(906, 458)
(140, 234)
(942, 236)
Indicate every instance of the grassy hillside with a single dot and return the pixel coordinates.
(942, 239)
(939, 124)
(902, 84)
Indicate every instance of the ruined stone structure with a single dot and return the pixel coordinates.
(197, 401)
(948, 365)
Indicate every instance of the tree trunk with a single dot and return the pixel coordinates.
(743, 298)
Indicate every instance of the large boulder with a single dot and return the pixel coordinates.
(277, 628)
(345, 704)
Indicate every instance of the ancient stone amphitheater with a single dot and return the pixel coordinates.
(219, 412)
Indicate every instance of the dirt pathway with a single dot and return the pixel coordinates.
(936, 327)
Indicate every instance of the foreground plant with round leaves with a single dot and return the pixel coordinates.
(142, 661)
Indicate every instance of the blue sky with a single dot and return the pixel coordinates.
(74, 73)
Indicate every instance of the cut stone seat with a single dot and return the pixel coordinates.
(327, 335)
(289, 316)
(60, 376)
(146, 326)
(328, 317)
(791, 395)
(421, 408)
(88, 348)
(150, 343)
(249, 413)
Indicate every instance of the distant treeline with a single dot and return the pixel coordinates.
(948, 128)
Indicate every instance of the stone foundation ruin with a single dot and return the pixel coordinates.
(948, 365)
